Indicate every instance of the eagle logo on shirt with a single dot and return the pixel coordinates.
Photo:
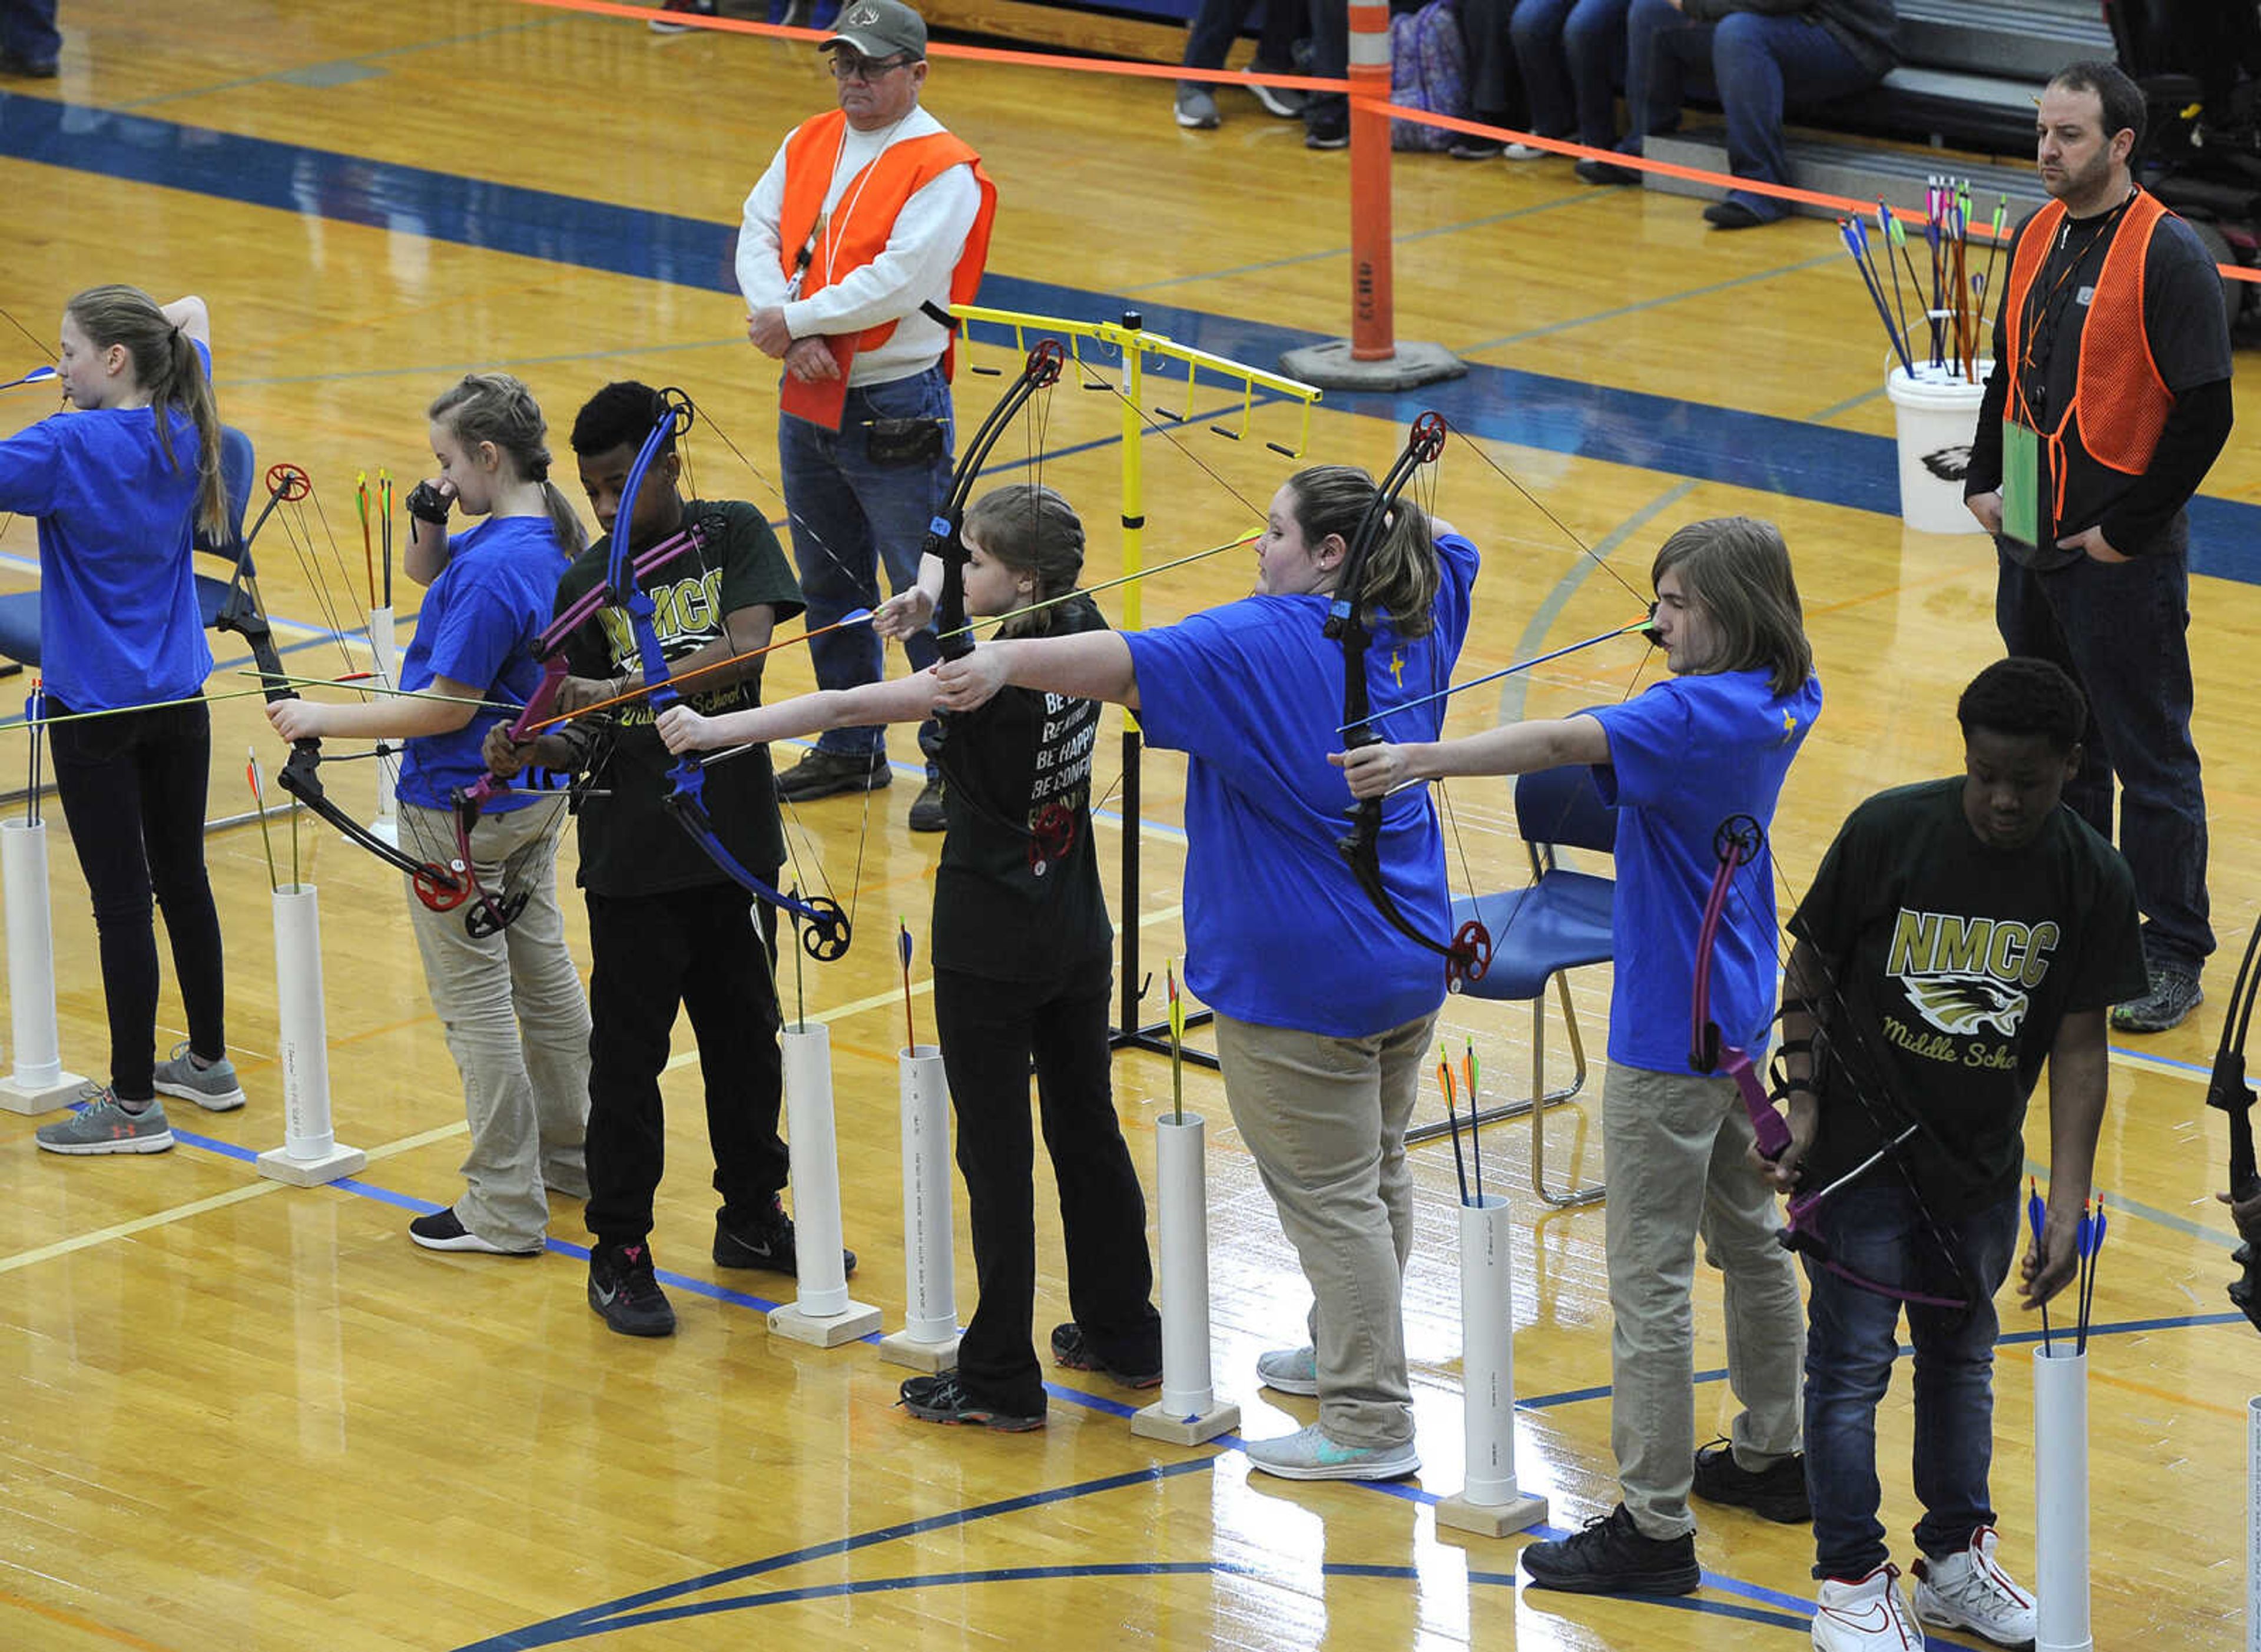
(1962, 1005)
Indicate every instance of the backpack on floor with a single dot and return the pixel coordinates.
(1428, 71)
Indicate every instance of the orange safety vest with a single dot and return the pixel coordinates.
(2119, 404)
(859, 230)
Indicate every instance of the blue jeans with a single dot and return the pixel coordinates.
(2118, 630)
(1217, 25)
(1757, 62)
(27, 30)
(852, 517)
(1851, 1339)
(1570, 52)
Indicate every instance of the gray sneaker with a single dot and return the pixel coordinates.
(1285, 102)
(1308, 1455)
(104, 1126)
(1197, 109)
(2174, 994)
(211, 1087)
(1289, 1370)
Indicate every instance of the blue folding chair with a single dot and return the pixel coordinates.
(1556, 922)
(19, 610)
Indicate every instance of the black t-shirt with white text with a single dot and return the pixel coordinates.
(1950, 965)
(1009, 904)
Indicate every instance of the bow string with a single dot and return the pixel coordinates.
(2227, 1089)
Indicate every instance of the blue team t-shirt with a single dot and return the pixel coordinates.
(1684, 757)
(1279, 932)
(478, 625)
(119, 623)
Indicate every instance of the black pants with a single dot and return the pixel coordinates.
(134, 791)
(990, 1030)
(697, 948)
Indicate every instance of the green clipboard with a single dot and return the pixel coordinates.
(2022, 483)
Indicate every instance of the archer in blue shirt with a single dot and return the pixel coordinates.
(118, 487)
(1714, 742)
(1323, 1010)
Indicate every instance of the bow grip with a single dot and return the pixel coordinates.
(1766, 1123)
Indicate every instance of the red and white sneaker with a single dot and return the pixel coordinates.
(1867, 1616)
(1971, 1591)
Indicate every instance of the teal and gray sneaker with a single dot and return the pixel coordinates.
(104, 1126)
(1289, 1370)
(211, 1087)
(1308, 1455)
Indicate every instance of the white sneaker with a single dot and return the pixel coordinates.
(1526, 152)
(1289, 1370)
(1969, 1591)
(1866, 1616)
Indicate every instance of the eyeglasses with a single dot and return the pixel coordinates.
(848, 65)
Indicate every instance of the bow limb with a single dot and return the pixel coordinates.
(1468, 955)
(944, 540)
(828, 933)
(441, 888)
(1738, 843)
(2227, 1089)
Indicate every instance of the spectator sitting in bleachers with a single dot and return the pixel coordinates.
(1210, 36)
(1761, 55)
(1495, 83)
(1570, 54)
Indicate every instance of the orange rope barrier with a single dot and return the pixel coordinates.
(1361, 99)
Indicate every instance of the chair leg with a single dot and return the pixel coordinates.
(1576, 1195)
(1518, 1108)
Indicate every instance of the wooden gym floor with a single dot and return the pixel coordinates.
(244, 1415)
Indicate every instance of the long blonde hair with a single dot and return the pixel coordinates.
(1400, 570)
(498, 408)
(166, 365)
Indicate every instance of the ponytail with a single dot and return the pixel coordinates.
(166, 365)
(1401, 576)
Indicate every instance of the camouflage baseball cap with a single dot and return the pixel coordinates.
(878, 29)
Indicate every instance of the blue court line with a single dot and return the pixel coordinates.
(1766, 454)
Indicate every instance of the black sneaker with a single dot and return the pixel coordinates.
(444, 1230)
(1591, 171)
(821, 773)
(2174, 994)
(927, 812)
(692, 8)
(767, 1244)
(27, 68)
(622, 1289)
(1467, 146)
(1327, 132)
(1775, 1492)
(1611, 1557)
(1073, 1349)
(941, 1399)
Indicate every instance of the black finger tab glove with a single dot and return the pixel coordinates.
(426, 504)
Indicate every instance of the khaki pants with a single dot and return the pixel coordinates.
(1673, 1149)
(1325, 1119)
(517, 1025)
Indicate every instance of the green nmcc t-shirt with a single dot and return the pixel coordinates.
(629, 843)
(1954, 964)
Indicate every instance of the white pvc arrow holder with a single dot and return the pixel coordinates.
(2253, 1526)
(384, 650)
(928, 1338)
(36, 1083)
(1189, 1412)
(2061, 1500)
(309, 1154)
(1491, 1504)
(823, 1313)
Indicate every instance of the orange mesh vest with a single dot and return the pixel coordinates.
(2120, 404)
(859, 229)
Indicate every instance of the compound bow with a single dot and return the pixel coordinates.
(2226, 1088)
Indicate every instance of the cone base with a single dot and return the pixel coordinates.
(276, 1165)
(1177, 1429)
(29, 1099)
(904, 1349)
(1489, 1519)
(827, 1331)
